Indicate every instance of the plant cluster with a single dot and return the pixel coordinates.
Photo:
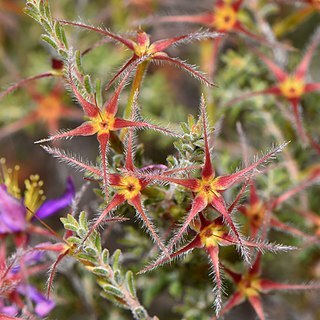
(191, 201)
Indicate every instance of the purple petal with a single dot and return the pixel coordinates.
(51, 206)
(43, 306)
(29, 259)
(10, 310)
(12, 213)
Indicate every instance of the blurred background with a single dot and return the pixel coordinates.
(34, 111)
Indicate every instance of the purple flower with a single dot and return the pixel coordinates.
(42, 305)
(50, 207)
(9, 305)
(8, 310)
(13, 213)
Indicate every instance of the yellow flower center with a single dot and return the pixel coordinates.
(256, 213)
(129, 186)
(50, 108)
(211, 235)
(103, 123)
(292, 87)
(208, 189)
(9, 177)
(225, 17)
(33, 196)
(142, 46)
(249, 286)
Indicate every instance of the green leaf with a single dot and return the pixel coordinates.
(112, 290)
(97, 243)
(101, 272)
(85, 257)
(71, 219)
(83, 222)
(115, 259)
(79, 62)
(116, 301)
(71, 227)
(74, 240)
(49, 40)
(88, 84)
(46, 26)
(82, 233)
(63, 53)
(130, 283)
(140, 313)
(91, 251)
(59, 31)
(105, 256)
(118, 277)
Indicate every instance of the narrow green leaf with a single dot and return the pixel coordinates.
(97, 243)
(105, 256)
(79, 62)
(116, 301)
(110, 289)
(101, 272)
(140, 313)
(74, 240)
(86, 258)
(46, 26)
(88, 84)
(91, 251)
(118, 277)
(49, 40)
(70, 226)
(130, 283)
(83, 220)
(115, 259)
(82, 232)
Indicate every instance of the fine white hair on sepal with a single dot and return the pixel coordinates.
(243, 250)
(72, 160)
(60, 134)
(151, 230)
(183, 65)
(201, 34)
(218, 286)
(259, 162)
(205, 120)
(97, 216)
(263, 246)
(162, 259)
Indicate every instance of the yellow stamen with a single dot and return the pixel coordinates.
(208, 189)
(292, 87)
(256, 213)
(103, 123)
(34, 195)
(212, 234)
(129, 186)
(9, 177)
(249, 286)
(225, 17)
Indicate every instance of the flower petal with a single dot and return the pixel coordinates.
(50, 207)
(43, 306)
(12, 213)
